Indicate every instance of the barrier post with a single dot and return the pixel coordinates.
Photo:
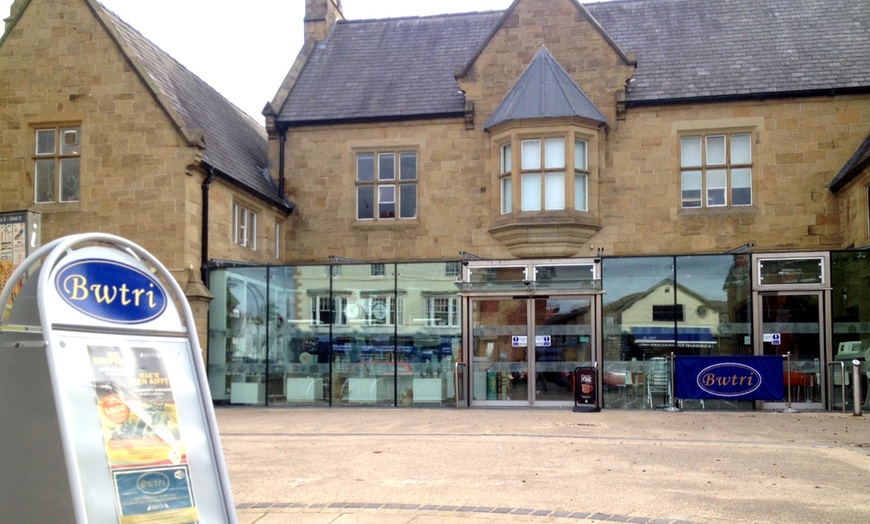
(856, 388)
(671, 406)
(788, 408)
(459, 384)
(842, 384)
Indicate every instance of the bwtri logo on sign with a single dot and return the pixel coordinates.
(110, 291)
(729, 379)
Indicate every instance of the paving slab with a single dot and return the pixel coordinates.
(385, 465)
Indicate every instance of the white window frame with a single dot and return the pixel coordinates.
(581, 176)
(436, 305)
(244, 226)
(542, 174)
(504, 178)
(337, 305)
(382, 310)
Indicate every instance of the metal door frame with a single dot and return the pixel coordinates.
(528, 291)
(822, 289)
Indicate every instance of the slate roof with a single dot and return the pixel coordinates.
(859, 161)
(719, 48)
(382, 69)
(236, 146)
(544, 90)
(685, 50)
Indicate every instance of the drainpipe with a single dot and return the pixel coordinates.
(206, 185)
(282, 141)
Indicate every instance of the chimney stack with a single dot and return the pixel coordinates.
(320, 16)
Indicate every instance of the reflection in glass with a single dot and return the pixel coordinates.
(240, 325)
(850, 304)
(429, 336)
(499, 334)
(335, 334)
(790, 271)
(563, 342)
(658, 306)
(795, 321)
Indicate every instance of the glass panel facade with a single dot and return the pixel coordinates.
(317, 336)
(850, 305)
(347, 335)
(563, 342)
(655, 306)
(247, 325)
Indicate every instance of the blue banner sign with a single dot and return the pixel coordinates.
(731, 378)
(111, 291)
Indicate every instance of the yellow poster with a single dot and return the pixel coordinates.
(137, 410)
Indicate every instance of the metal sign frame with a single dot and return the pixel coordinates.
(71, 335)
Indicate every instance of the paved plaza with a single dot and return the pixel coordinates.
(428, 466)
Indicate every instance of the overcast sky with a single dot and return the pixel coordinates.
(244, 49)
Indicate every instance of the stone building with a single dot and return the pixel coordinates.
(478, 198)
(467, 184)
(101, 131)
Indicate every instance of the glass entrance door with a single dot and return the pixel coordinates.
(563, 342)
(791, 325)
(524, 350)
(499, 352)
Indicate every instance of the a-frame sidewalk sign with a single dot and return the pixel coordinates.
(106, 415)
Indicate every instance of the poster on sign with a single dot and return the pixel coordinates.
(138, 414)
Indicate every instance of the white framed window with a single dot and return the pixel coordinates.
(581, 175)
(277, 240)
(504, 179)
(716, 170)
(452, 269)
(57, 164)
(326, 311)
(244, 227)
(442, 312)
(381, 310)
(378, 270)
(386, 185)
(543, 174)
(543, 179)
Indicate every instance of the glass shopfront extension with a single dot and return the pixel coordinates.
(512, 333)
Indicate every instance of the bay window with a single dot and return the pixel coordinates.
(542, 179)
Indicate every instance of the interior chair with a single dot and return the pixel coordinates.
(658, 382)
